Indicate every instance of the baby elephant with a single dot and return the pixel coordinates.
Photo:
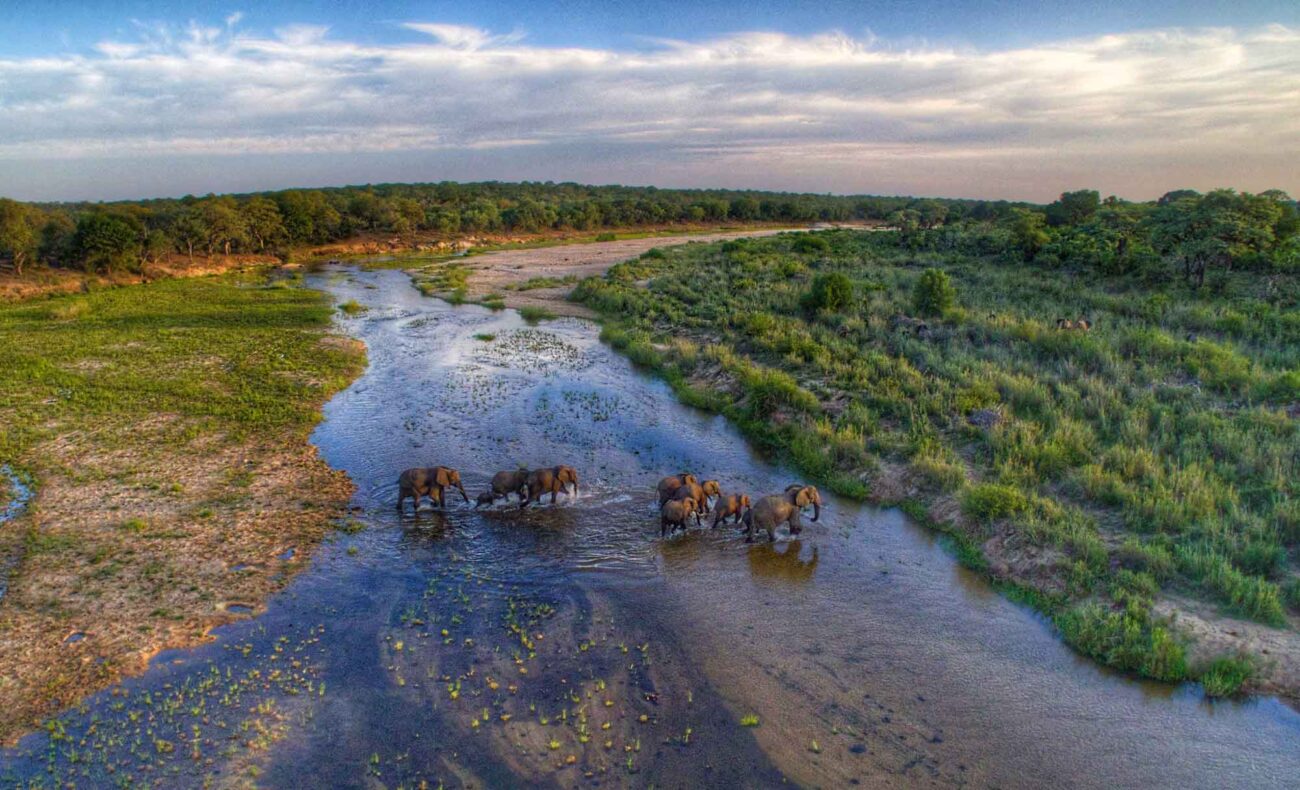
(503, 485)
(674, 514)
(734, 505)
(430, 481)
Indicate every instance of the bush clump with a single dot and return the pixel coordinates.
(1225, 677)
(832, 292)
(934, 294)
(811, 244)
(990, 501)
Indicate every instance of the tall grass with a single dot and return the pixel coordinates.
(1133, 447)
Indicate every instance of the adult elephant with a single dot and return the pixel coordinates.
(669, 485)
(553, 480)
(430, 481)
(772, 511)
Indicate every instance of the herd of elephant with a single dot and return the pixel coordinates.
(681, 496)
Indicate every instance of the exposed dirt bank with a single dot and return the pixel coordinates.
(502, 272)
(166, 430)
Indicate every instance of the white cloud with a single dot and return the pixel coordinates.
(1135, 113)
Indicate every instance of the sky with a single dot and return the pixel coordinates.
(992, 99)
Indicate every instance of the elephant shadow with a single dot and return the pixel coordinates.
(782, 562)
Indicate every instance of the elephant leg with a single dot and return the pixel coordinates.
(439, 501)
(555, 491)
(402, 494)
(663, 526)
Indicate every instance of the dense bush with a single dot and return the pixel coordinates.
(934, 294)
(1225, 676)
(990, 501)
(832, 292)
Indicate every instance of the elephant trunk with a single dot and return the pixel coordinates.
(463, 495)
(817, 510)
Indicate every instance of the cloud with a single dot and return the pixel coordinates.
(1136, 113)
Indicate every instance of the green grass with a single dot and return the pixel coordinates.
(486, 337)
(532, 314)
(1156, 445)
(352, 307)
(226, 355)
(1225, 676)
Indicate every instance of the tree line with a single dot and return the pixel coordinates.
(1184, 234)
(104, 237)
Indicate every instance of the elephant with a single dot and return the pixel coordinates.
(772, 511)
(674, 514)
(503, 485)
(734, 505)
(553, 479)
(669, 485)
(418, 482)
(700, 492)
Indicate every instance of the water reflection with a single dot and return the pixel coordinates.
(788, 563)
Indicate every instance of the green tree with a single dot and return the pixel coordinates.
(18, 235)
(1073, 208)
(931, 213)
(934, 293)
(1214, 230)
(1028, 232)
(225, 224)
(107, 242)
(262, 218)
(190, 230)
(56, 244)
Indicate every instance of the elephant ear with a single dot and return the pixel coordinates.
(806, 496)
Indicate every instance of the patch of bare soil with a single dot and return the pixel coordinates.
(1275, 652)
(141, 539)
(493, 271)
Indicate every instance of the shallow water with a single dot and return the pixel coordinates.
(18, 493)
(568, 644)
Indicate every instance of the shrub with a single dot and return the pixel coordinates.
(1125, 639)
(990, 501)
(934, 293)
(832, 291)
(1225, 676)
(606, 237)
(532, 313)
(811, 244)
(352, 307)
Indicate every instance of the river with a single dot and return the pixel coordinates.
(569, 645)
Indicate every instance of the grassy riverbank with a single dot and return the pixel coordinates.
(165, 428)
(1124, 480)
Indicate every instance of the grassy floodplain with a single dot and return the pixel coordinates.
(165, 429)
(1094, 474)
